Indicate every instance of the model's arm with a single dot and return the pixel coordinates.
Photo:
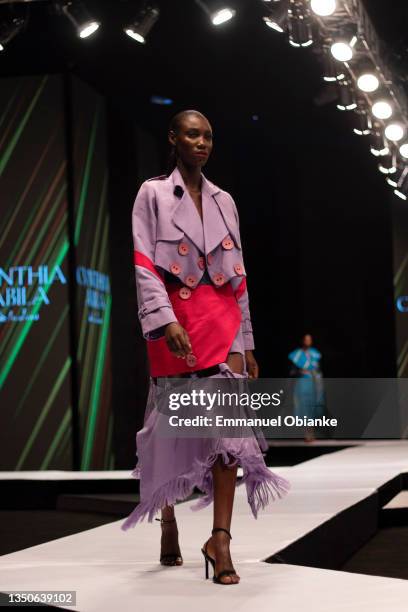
(246, 323)
(155, 312)
(155, 309)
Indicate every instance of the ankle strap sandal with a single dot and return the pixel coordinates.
(221, 529)
(170, 558)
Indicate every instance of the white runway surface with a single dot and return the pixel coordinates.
(115, 570)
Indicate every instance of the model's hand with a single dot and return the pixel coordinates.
(251, 365)
(177, 340)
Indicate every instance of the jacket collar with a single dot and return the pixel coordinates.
(207, 185)
(208, 234)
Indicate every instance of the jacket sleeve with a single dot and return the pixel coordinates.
(154, 306)
(243, 301)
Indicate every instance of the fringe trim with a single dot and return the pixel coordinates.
(262, 485)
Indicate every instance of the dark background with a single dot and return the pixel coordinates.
(315, 212)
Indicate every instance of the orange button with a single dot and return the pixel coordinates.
(209, 259)
(175, 268)
(201, 263)
(227, 243)
(239, 269)
(219, 279)
(191, 360)
(190, 280)
(184, 293)
(183, 248)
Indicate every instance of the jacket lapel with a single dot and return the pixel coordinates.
(215, 228)
(186, 215)
(229, 217)
(218, 215)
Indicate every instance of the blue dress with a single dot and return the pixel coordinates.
(308, 392)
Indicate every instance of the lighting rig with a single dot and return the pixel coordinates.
(146, 14)
(353, 61)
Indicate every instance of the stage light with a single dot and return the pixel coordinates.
(217, 11)
(394, 179)
(10, 29)
(395, 131)
(378, 145)
(324, 8)
(76, 12)
(387, 163)
(404, 150)
(342, 51)
(277, 17)
(300, 27)
(332, 71)
(273, 24)
(402, 186)
(141, 27)
(368, 82)
(222, 15)
(364, 125)
(347, 99)
(382, 109)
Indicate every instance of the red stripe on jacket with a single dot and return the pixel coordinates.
(142, 260)
(241, 288)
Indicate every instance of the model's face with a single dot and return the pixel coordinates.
(307, 341)
(193, 140)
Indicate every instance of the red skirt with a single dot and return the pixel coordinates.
(211, 316)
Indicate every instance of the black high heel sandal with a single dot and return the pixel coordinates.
(226, 572)
(170, 559)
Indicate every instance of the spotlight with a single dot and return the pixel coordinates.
(278, 16)
(300, 27)
(222, 15)
(378, 145)
(347, 99)
(10, 29)
(342, 50)
(402, 186)
(394, 179)
(382, 109)
(387, 164)
(395, 131)
(141, 27)
(363, 123)
(324, 8)
(404, 150)
(368, 82)
(217, 11)
(332, 71)
(76, 12)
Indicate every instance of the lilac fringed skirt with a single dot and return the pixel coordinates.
(170, 468)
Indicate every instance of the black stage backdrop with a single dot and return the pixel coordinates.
(316, 215)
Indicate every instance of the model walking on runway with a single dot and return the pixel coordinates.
(194, 314)
(308, 393)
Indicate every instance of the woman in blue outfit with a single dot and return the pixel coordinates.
(308, 391)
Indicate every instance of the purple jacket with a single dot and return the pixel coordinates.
(168, 235)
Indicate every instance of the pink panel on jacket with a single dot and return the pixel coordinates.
(211, 316)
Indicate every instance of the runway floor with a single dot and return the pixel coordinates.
(111, 569)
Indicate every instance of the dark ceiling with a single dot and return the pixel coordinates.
(242, 66)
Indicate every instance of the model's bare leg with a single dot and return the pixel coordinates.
(224, 481)
(169, 539)
(218, 546)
